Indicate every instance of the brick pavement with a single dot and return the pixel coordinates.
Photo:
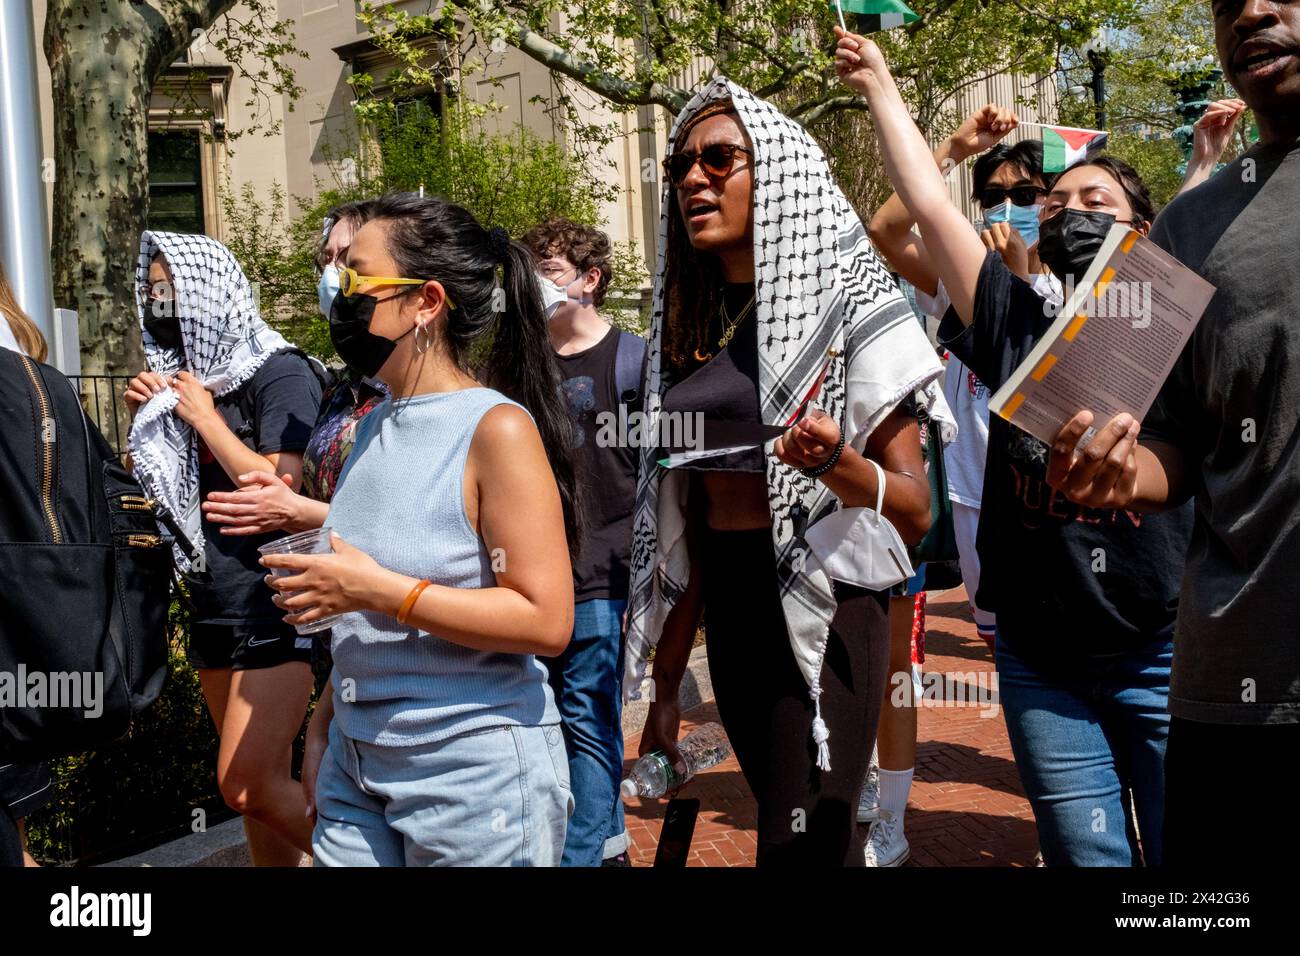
(966, 806)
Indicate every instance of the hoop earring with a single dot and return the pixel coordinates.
(428, 338)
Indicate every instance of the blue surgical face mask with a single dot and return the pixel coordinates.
(1023, 219)
(328, 288)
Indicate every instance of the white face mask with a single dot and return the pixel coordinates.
(555, 295)
(552, 295)
(861, 547)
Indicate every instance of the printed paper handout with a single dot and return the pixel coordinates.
(1114, 342)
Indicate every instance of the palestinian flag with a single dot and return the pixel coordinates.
(876, 15)
(1064, 146)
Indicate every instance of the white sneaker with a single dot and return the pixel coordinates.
(887, 846)
(869, 802)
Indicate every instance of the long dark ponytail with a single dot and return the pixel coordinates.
(497, 331)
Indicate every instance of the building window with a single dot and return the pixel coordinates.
(175, 182)
(410, 129)
(420, 108)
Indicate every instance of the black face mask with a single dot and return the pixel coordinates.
(165, 327)
(1070, 240)
(363, 351)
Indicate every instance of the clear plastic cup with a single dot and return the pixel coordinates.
(315, 541)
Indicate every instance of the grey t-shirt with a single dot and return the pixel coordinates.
(1232, 404)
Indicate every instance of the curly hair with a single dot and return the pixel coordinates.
(586, 247)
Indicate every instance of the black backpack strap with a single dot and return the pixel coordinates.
(246, 412)
(324, 377)
(91, 477)
(628, 363)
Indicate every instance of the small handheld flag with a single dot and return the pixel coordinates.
(1064, 146)
(727, 437)
(876, 15)
(718, 438)
(813, 392)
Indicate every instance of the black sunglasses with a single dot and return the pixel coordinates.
(716, 161)
(1019, 195)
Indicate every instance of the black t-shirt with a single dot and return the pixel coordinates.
(1065, 581)
(1231, 404)
(284, 396)
(607, 466)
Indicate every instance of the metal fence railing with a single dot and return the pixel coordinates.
(102, 397)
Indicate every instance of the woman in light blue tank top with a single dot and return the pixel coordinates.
(455, 520)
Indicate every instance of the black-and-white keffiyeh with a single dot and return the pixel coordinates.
(819, 286)
(225, 342)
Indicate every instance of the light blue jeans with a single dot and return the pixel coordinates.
(1087, 741)
(587, 681)
(498, 797)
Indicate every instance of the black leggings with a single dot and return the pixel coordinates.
(806, 817)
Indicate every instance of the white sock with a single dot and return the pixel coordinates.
(895, 785)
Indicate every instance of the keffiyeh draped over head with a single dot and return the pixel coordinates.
(819, 286)
(225, 342)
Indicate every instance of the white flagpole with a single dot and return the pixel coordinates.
(24, 236)
(1068, 129)
(839, 10)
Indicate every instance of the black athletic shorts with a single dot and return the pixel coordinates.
(24, 789)
(249, 646)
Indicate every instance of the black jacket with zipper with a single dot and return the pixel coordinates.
(84, 574)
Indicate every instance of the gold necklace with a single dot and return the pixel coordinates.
(730, 326)
(729, 329)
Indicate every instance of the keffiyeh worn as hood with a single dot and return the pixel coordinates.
(819, 286)
(225, 343)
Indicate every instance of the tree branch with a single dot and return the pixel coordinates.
(939, 10)
(666, 33)
(611, 86)
(813, 111)
(176, 22)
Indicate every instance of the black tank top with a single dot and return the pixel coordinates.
(725, 389)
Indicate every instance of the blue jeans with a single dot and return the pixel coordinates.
(1086, 740)
(587, 680)
(496, 797)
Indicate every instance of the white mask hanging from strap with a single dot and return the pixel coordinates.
(861, 547)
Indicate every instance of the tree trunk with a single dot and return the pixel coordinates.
(104, 59)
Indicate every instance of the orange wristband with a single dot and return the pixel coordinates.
(411, 598)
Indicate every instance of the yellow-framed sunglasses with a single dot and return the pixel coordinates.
(350, 282)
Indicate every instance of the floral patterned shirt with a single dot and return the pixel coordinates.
(344, 404)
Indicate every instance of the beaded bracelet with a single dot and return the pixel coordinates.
(819, 470)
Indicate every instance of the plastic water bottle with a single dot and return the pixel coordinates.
(653, 775)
